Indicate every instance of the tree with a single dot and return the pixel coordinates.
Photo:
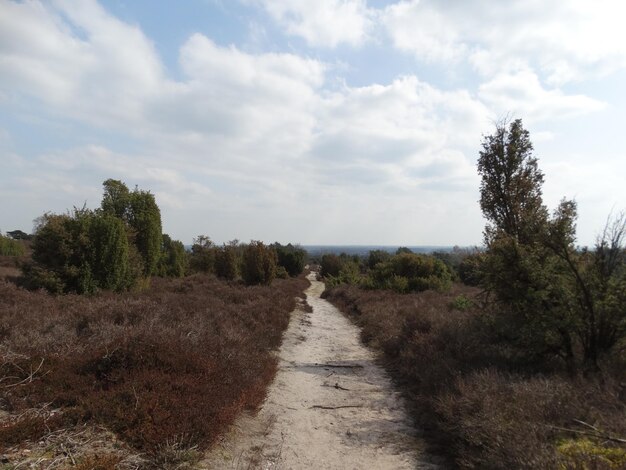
(139, 210)
(553, 295)
(258, 264)
(227, 261)
(202, 257)
(116, 199)
(145, 219)
(174, 260)
(510, 189)
(80, 252)
(19, 235)
(292, 258)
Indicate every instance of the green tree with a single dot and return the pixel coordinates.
(145, 219)
(227, 261)
(139, 210)
(258, 264)
(292, 258)
(116, 199)
(80, 252)
(377, 256)
(552, 295)
(511, 184)
(174, 258)
(202, 256)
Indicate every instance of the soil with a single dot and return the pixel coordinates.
(330, 406)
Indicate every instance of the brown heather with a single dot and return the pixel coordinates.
(478, 401)
(175, 363)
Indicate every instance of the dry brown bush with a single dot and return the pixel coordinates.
(479, 401)
(175, 363)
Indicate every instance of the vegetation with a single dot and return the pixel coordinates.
(11, 247)
(528, 369)
(168, 364)
(403, 272)
(554, 298)
(258, 264)
(291, 258)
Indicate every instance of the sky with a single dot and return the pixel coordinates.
(313, 122)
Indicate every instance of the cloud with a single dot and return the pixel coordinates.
(522, 94)
(256, 145)
(565, 41)
(325, 23)
(78, 59)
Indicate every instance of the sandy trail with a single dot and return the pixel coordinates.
(329, 407)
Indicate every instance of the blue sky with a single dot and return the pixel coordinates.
(326, 122)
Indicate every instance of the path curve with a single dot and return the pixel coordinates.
(329, 407)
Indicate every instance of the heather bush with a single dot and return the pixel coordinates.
(479, 399)
(171, 363)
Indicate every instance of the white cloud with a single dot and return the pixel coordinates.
(326, 23)
(257, 145)
(78, 59)
(565, 41)
(522, 94)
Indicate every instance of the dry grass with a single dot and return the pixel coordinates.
(479, 403)
(166, 370)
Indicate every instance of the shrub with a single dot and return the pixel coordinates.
(174, 260)
(258, 264)
(11, 247)
(202, 256)
(174, 363)
(377, 256)
(291, 258)
(330, 265)
(80, 253)
(409, 272)
(227, 261)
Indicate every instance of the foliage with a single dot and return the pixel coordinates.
(227, 260)
(109, 248)
(377, 256)
(80, 253)
(555, 299)
(11, 247)
(258, 263)
(292, 258)
(174, 260)
(330, 265)
(409, 272)
(477, 403)
(139, 210)
(175, 362)
(202, 256)
(510, 189)
(470, 269)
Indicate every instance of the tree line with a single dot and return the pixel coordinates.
(120, 245)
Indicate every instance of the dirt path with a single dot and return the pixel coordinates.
(330, 406)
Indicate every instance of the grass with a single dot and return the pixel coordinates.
(167, 370)
(478, 401)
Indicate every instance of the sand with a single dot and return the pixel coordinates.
(330, 406)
